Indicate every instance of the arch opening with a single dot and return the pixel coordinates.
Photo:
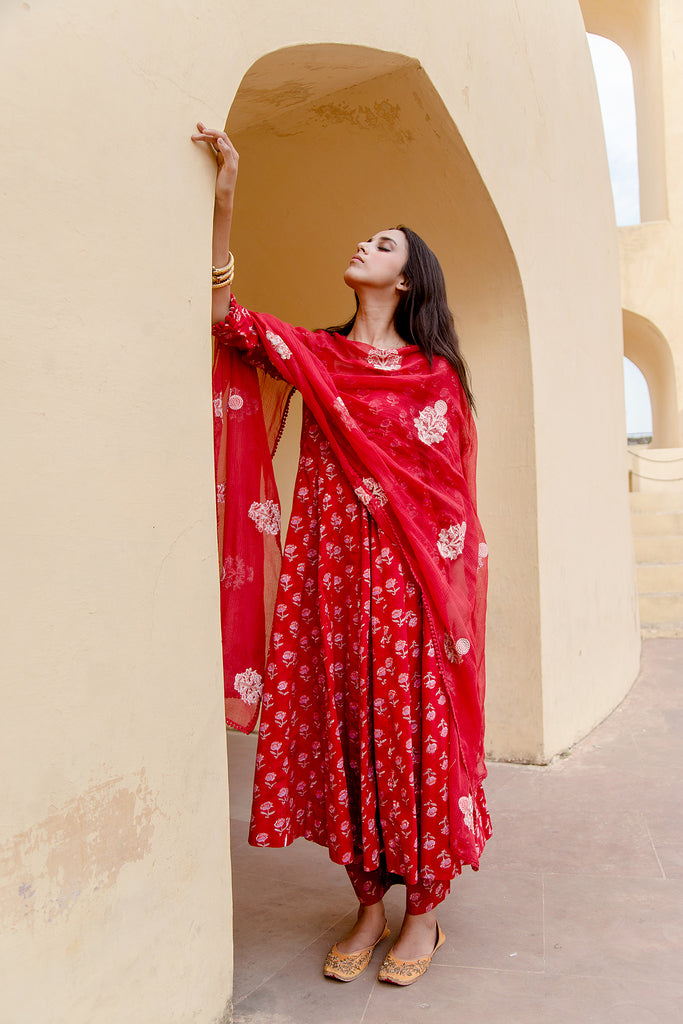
(635, 27)
(647, 348)
(638, 405)
(336, 142)
(614, 79)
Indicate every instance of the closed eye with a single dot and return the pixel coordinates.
(384, 243)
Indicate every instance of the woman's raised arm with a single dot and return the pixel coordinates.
(227, 159)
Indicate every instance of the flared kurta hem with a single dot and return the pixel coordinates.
(357, 748)
(371, 734)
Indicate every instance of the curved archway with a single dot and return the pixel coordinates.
(635, 27)
(646, 346)
(614, 79)
(336, 142)
(638, 405)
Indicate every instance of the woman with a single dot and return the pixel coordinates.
(371, 736)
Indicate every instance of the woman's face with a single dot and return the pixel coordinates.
(379, 262)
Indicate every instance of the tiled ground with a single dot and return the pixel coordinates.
(576, 916)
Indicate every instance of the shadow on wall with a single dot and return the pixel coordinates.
(337, 142)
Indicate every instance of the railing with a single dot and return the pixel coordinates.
(660, 459)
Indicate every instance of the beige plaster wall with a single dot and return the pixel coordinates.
(651, 254)
(567, 248)
(651, 257)
(656, 470)
(115, 871)
(114, 865)
(635, 25)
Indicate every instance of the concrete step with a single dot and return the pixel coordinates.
(658, 549)
(642, 501)
(659, 524)
(652, 632)
(660, 579)
(661, 609)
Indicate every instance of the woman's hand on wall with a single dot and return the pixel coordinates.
(227, 159)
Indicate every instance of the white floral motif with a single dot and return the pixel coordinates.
(220, 494)
(370, 490)
(235, 400)
(278, 344)
(456, 649)
(466, 805)
(483, 553)
(218, 406)
(249, 685)
(452, 541)
(236, 573)
(266, 516)
(384, 359)
(431, 423)
(303, 785)
(344, 413)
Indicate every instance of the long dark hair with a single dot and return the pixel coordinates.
(422, 316)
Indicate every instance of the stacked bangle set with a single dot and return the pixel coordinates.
(221, 277)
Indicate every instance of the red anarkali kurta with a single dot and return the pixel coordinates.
(372, 724)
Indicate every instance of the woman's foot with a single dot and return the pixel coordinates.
(367, 930)
(347, 959)
(417, 938)
(397, 970)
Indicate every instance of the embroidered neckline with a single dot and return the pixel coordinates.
(376, 348)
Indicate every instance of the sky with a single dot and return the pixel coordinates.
(615, 89)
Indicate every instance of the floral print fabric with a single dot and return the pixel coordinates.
(371, 731)
(354, 748)
(372, 886)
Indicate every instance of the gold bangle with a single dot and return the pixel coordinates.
(231, 260)
(221, 282)
(221, 277)
(227, 269)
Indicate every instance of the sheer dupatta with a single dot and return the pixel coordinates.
(250, 408)
(405, 438)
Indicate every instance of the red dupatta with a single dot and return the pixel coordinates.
(404, 436)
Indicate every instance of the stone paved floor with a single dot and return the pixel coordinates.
(575, 917)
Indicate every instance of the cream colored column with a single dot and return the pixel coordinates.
(651, 34)
(114, 865)
(636, 26)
